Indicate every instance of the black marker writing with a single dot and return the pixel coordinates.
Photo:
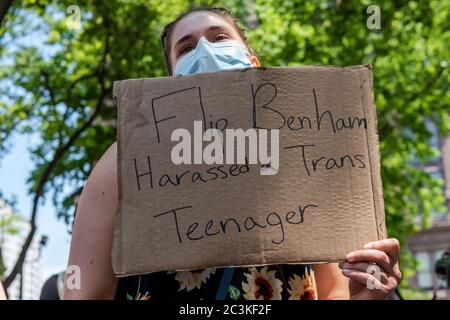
(194, 231)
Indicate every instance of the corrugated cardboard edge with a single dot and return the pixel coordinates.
(368, 102)
(117, 240)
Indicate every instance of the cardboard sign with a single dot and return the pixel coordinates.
(324, 201)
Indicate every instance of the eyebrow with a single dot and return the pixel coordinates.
(189, 36)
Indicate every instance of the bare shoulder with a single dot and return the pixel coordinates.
(110, 154)
(99, 196)
(107, 165)
(103, 177)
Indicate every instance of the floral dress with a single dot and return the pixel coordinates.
(274, 282)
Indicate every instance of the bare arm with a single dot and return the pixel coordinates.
(331, 284)
(93, 233)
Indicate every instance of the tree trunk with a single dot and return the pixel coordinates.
(4, 7)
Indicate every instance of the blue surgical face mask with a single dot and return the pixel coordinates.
(211, 57)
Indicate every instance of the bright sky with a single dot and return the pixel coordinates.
(14, 171)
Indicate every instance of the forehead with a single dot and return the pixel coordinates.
(196, 22)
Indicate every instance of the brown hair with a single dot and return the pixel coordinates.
(224, 13)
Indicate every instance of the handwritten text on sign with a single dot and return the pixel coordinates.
(323, 186)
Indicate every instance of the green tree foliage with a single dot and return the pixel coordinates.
(58, 83)
(8, 226)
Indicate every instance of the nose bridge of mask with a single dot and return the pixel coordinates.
(204, 47)
(195, 52)
(218, 47)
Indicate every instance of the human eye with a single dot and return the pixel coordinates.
(221, 37)
(185, 49)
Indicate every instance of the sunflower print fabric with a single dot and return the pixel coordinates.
(277, 282)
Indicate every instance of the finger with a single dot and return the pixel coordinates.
(361, 266)
(390, 246)
(375, 256)
(366, 267)
(365, 279)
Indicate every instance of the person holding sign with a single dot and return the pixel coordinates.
(208, 40)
